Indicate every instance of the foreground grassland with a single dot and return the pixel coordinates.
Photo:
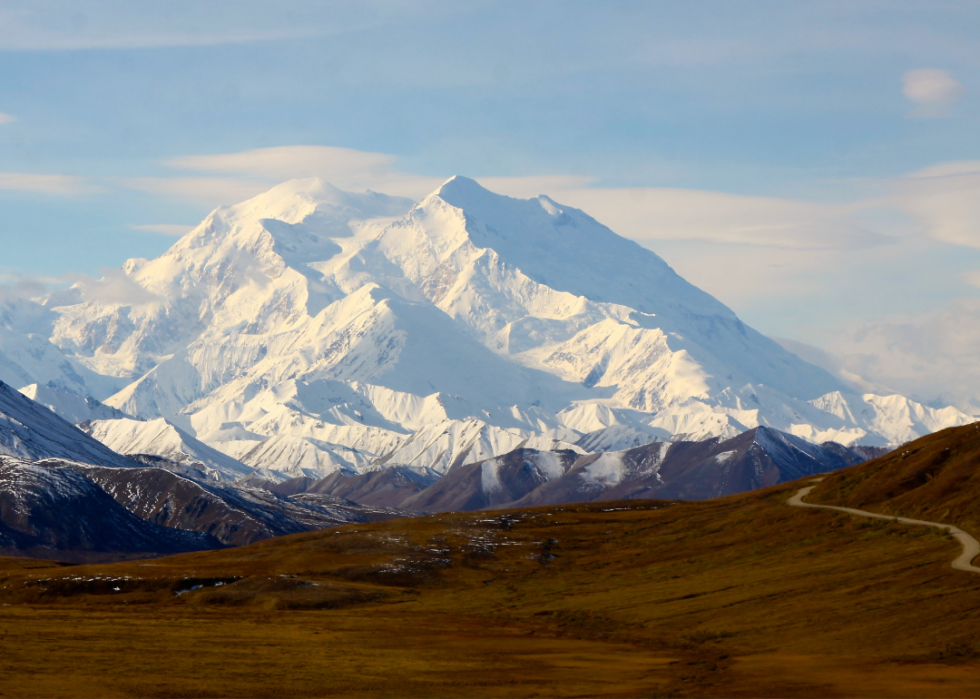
(743, 596)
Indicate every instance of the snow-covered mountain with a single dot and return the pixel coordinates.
(160, 438)
(310, 330)
(71, 406)
(27, 356)
(65, 494)
(32, 431)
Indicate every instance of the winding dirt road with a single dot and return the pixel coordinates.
(971, 547)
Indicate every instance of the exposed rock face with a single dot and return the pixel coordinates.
(31, 431)
(233, 515)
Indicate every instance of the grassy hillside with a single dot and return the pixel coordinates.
(743, 596)
(936, 478)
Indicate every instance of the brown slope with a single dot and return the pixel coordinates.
(492, 483)
(695, 470)
(292, 486)
(936, 478)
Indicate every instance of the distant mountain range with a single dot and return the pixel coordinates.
(662, 470)
(311, 331)
(64, 494)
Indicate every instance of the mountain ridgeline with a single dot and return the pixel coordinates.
(661, 470)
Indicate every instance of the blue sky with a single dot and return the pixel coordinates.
(763, 148)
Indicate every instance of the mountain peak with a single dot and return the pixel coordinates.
(463, 192)
(313, 189)
(468, 194)
(294, 200)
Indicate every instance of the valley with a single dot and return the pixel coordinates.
(739, 596)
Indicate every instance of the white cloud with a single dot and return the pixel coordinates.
(171, 229)
(960, 167)
(934, 90)
(833, 364)
(17, 287)
(7, 118)
(972, 277)
(50, 184)
(931, 86)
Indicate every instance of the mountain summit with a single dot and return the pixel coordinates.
(341, 330)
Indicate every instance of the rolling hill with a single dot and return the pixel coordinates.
(934, 478)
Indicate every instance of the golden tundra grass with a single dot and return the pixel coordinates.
(743, 596)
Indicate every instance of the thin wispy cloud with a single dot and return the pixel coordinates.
(7, 118)
(256, 170)
(14, 287)
(646, 214)
(48, 184)
(292, 162)
(972, 277)
(101, 25)
(207, 191)
(930, 355)
(57, 41)
(114, 286)
(651, 214)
